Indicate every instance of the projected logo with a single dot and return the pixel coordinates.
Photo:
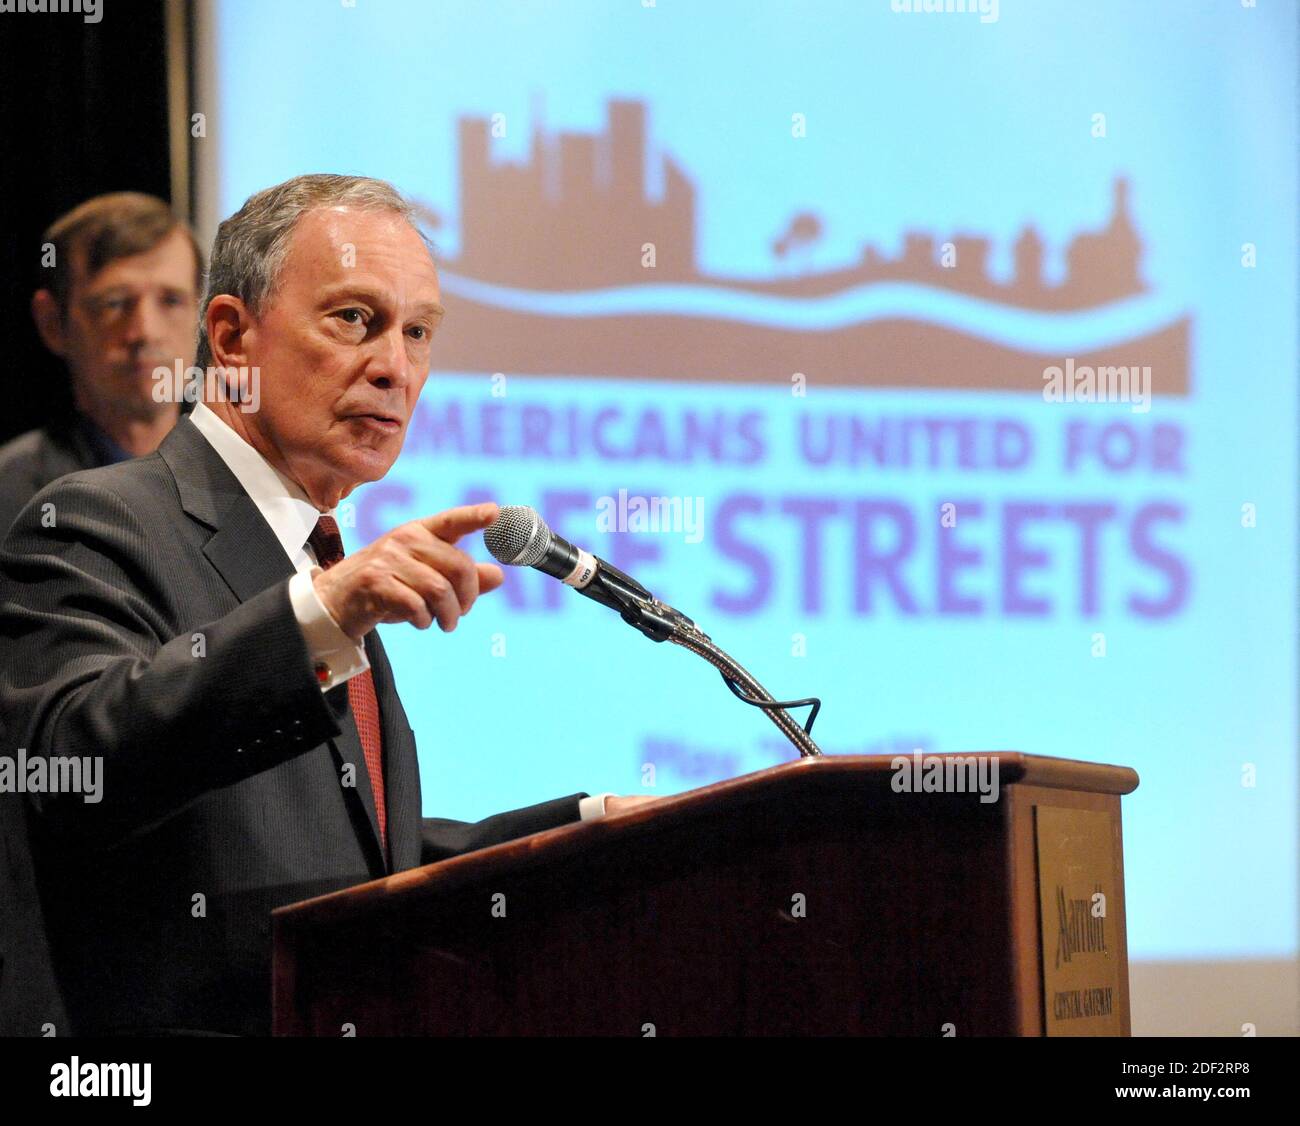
(568, 267)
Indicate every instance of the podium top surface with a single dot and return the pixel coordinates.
(772, 787)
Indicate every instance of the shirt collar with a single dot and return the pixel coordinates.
(282, 501)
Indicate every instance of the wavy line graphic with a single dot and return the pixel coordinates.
(1023, 329)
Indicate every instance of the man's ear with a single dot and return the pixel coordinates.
(49, 320)
(227, 320)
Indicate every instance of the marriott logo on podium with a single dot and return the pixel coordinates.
(1079, 930)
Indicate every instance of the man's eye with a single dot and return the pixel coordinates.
(421, 333)
(349, 315)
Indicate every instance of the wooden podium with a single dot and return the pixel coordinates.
(844, 895)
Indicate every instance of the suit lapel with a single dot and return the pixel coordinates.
(248, 556)
(245, 551)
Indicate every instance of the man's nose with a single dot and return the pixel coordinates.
(389, 364)
(145, 323)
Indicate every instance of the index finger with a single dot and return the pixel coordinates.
(450, 525)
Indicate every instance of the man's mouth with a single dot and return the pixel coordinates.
(384, 423)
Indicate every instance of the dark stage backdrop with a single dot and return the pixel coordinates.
(84, 111)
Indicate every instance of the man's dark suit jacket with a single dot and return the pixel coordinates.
(151, 625)
(70, 442)
(32, 460)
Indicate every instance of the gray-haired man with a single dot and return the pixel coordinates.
(189, 617)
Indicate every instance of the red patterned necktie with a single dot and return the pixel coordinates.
(328, 545)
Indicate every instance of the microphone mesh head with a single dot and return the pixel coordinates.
(518, 537)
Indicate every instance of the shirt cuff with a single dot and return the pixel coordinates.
(592, 807)
(334, 654)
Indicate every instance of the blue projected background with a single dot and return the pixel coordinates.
(809, 264)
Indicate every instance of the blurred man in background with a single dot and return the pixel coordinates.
(123, 277)
(120, 300)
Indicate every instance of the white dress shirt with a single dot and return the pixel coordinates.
(285, 507)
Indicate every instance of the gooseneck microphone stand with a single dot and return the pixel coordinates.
(660, 622)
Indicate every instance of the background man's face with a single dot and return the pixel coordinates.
(344, 347)
(136, 314)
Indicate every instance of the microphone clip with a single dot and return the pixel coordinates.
(636, 605)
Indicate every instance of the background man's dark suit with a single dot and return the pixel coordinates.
(69, 442)
(32, 460)
(152, 625)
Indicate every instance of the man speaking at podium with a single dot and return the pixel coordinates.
(189, 620)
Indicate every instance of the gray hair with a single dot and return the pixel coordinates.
(251, 246)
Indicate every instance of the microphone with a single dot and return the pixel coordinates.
(519, 537)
